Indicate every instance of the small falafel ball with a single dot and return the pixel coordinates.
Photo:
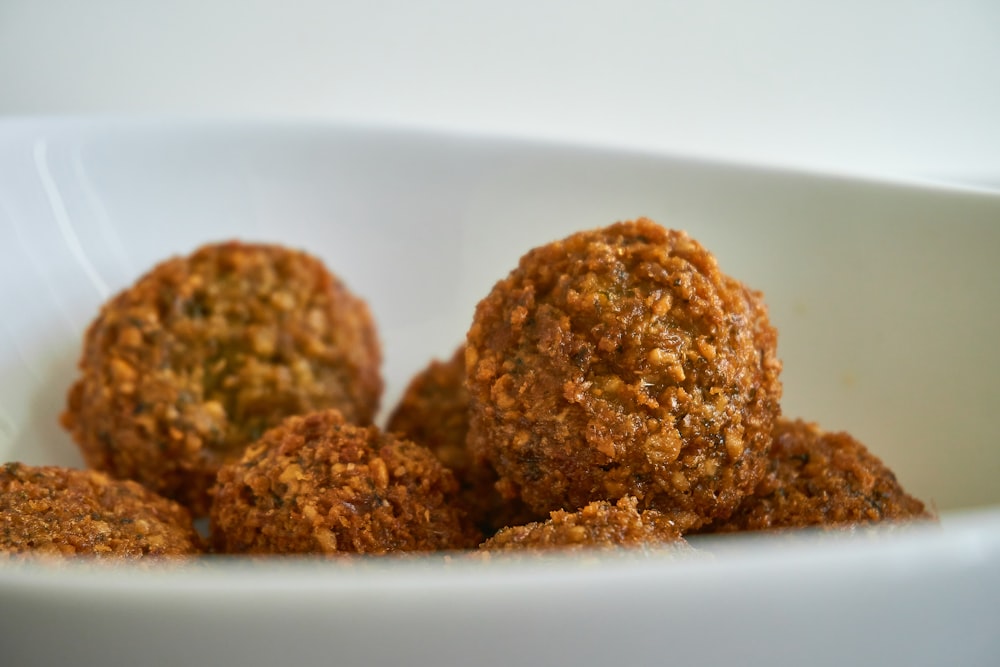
(55, 511)
(622, 361)
(317, 484)
(818, 478)
(434, 412)
(599, 525)
(205, 352)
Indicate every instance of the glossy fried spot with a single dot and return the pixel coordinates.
(205, 352)
(55, 511)
(622, 362)
(818, 478)
(598, 525)
(434, 412)
(317, 484)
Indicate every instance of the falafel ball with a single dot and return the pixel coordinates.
(598, 525)
(622, 361)
(819, 478)
(55, 511)
(317, 484)
(205, 352)
(434, 412)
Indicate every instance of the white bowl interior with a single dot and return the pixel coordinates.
(883, 294)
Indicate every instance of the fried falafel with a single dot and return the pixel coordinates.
(204, 353)
(622, 361)
(56, 511)
(823, 479)
(434, 412)
(316, 484)
(598, 525)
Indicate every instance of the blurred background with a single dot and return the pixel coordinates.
(891, 88)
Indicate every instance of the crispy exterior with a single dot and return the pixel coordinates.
(622, 361)
(434, 412)
(320, 485)
(599, 525)
(818, 478)
(49, 510)
(204, 353)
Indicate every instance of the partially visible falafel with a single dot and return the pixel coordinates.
(204, 353)
(56, 511)
(598, 525)
(618, 362)
(434, 412)
(316, 484)
(823, 479)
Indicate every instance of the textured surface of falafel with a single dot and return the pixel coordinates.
(204, 353)
(622, 361)
(50, 510)
(598, 525)
(818, 478)
(434, 412)
(317, 484)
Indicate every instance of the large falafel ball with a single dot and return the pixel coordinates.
(822, 479)
(622, 362)
(317, 484)
(55, 511)
(598, 525)
(205, 352)
(434, 412)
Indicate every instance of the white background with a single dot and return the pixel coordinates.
(884, 87)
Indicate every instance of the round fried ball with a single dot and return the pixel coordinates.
(205, 352)
(57, 511)
(599, 525)
(318, 484)
(434, 412)
(622, 361)
(818, 478)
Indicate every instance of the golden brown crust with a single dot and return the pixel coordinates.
(49, 510)
(318, 484)
(598, 525)
(434, 412)
(816, 478)
(206, 352)
(621, 361)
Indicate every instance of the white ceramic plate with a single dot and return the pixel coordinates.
(885, 299)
